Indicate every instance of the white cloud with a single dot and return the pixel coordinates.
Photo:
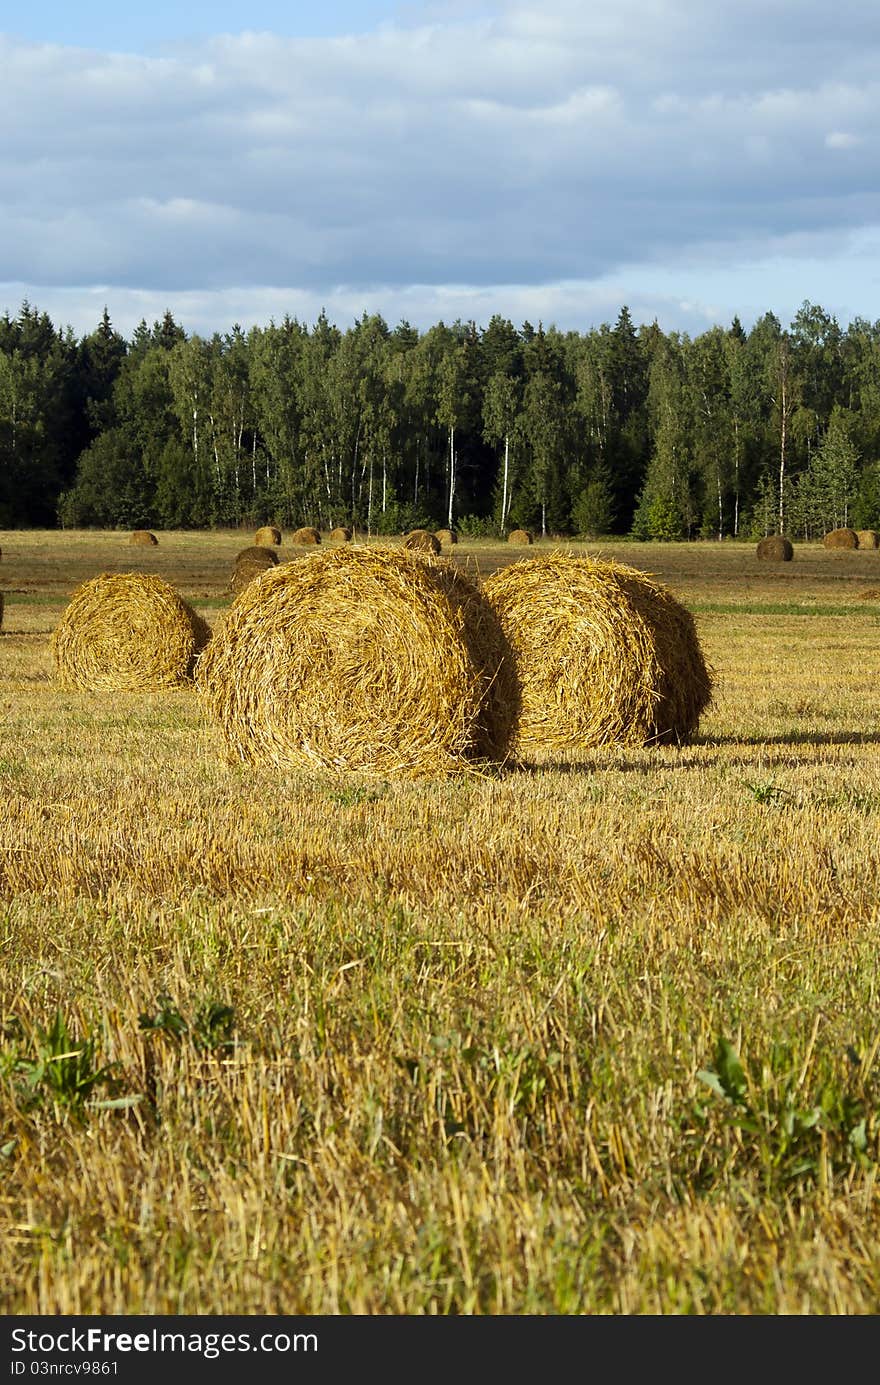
(553, 144)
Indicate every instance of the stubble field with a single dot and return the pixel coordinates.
(595, 1035)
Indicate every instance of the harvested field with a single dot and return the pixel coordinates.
(590, 1034)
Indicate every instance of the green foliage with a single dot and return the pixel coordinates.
(211, 1029)
(58, 1066)
(794, 1134)
(617, 429)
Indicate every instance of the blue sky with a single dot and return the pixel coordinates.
(453, 158)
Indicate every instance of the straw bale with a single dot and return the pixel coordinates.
(369, 659)
(605, 655)
(144, 538)
(127, 631)
(520, 536)
(268, 534)
(841, 538)
(258, 553)
(868, 538)
(422, 539)
(775, 548)
(307, 535)
(249, 563)
(340, 535)
(446, 536)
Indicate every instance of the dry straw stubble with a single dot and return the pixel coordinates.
(127, 631)
(604, 654)
(367, 659)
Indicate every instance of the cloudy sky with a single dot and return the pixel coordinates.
(548, 161)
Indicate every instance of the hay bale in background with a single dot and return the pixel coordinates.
(269, 534)
(605, 655)
(422, 539)
(775, 548)
(340, 535)
(369, 659)
(520, 536)
(144, 538)
(446, 536)
(306, 535)
(249, 564)
(868, 538)
(127, 631)
(841, 538)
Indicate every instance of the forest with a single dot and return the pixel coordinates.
(621, 429)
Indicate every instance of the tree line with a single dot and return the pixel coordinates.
(616, 430)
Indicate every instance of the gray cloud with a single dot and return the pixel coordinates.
(548, 144)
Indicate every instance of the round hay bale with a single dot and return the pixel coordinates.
(520, 536)
(446, 536)
(269, 535)
(144, 538)
(422, 539)
(307, 535)
(367, 659)
(605, 655)
(259, 554)
(127, 631)
(841, 538)
(249, 564)
(868, 538)
(775, 548)
(340, 535)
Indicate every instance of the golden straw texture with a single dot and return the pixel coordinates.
(358, 658)
(446, 536)
(604, 654)
(868, 538)
(127, 631)
(519, 536)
